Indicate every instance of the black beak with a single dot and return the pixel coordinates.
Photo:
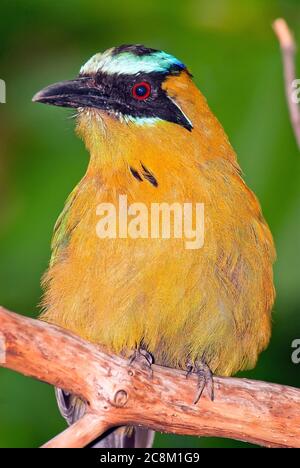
(80, 92)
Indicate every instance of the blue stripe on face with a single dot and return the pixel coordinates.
(128, 63)
(141, 121)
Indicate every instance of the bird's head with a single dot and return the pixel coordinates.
(129, 83)
(134, 93)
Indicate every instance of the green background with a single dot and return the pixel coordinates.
(231, 49)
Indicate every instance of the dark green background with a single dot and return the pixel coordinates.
(231, 50)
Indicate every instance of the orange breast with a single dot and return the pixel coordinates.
(181, 303)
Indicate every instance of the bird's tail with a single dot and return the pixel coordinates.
(125, 437)
(72, 408)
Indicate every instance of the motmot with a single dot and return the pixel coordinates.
(152, 137)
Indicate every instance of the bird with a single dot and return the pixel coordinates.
(152, 137)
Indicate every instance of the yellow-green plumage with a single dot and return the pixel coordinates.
(182, 304)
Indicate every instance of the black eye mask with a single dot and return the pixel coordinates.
(118, 92)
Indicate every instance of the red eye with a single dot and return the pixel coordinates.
(141, 91)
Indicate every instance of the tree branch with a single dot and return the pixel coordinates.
(81, 433)
(119, 394)
(288, 50)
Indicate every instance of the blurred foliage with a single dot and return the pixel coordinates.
(231, 49)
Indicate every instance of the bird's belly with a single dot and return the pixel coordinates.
(121, 293)
(183, 304)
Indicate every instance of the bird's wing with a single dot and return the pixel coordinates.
(62, 230)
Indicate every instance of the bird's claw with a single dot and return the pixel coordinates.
(143, 358)
(205, 379)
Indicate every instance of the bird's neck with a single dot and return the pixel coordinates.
(118, 148)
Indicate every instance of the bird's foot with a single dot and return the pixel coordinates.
(205, 379)
(142, 358)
